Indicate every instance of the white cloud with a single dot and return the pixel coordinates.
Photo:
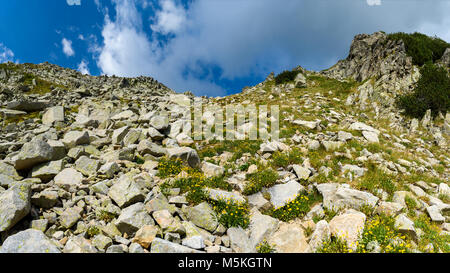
(73, 2)
(67, 47)
(170, 18)
(373, 2)
(6, 54)
(225, 41)
(83, 67)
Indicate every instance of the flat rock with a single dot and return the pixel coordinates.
(29, 241)
(289, 238)
(69, 178)
(217, 195)
(33, 153)
(164, 246)
(126, 192)
(133, 218)
(281, 194)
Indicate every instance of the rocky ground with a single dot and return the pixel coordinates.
(91, 164)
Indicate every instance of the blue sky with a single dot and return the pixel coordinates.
(210, 47)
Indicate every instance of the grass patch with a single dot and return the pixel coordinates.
(376, 179)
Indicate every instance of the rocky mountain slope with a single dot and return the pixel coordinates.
(104, 164)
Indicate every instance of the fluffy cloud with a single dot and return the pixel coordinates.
(67, 47)
(73, 2)
(170, 18)
(211, 44)
(373, 2)
(6, 54)
(83, 68)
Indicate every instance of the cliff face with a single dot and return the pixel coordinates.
(373, 56)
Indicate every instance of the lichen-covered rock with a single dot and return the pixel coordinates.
(69, 178)
(29, 241)
(126, 192)
(188, 155)
(87, 166)
(281, 194)
(133, 218)
(202, 216)
(289, 238)
(15, 204)
(33, 153)
(47, 171)
(74, 138)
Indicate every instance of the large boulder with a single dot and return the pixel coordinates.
(29, 241)
(15, 204)
(52, 115)
(348, 227)
(33, 153)
(133, 218)
(202, 216)
(126, 192)
(289, 238)
(27, 105)
(282, 194)
(336, 196)
(69, 178)
(186, 154)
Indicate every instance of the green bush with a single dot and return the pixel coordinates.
(420, 47)
(286, 76)
(258, 180)
(432, 92)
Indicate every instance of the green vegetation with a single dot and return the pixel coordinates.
(168, 167)
(431, 235)
(265, 247)
(232, 214)
(432, 92)
(375, 179)
(283, 159)
(257, 181)
(379, 231)
(237, 147)
(296, 208)
(286, 76)
(338, 87)
(420, 47)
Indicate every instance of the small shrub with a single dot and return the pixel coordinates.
(420, 47)
(265, 247)
(168, 167)
(286, 76)
(381, 229)
(295, 208)
(280, 159)
(259, 180)
(334, 245)
(232, 214)
(432, 92)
